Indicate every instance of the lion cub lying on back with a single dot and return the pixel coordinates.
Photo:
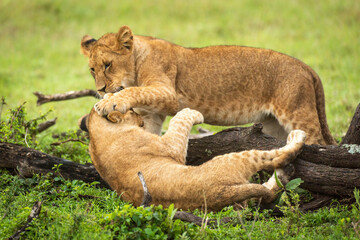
(120, 148)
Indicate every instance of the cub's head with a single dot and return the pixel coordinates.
(94, 121)
(111, 60)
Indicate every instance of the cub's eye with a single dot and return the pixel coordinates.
(107, 65)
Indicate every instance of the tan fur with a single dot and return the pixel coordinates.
(229, 85)
(120, 148)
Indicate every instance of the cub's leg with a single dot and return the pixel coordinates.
(246, 164)
(250, 162)
(308, 122)
(282, 156)
(153, 98)
(239, 193)
(177, 136)
(299, 111)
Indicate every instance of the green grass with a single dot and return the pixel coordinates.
(40, 43)
(76, 210)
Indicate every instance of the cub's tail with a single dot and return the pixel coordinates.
(82, 122)
(320, 107)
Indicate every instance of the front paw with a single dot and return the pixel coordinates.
(110, 103)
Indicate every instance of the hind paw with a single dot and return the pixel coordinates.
(282, 175)
(195, 115)
(296, 136)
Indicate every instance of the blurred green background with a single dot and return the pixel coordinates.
(40, 43)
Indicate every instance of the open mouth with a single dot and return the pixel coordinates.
(100, 96)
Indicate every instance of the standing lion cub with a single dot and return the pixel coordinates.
(120, 148)
(229, 85)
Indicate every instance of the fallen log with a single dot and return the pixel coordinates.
(28, 161)
(330, 170)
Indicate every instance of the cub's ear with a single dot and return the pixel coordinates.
(125, 39)
(115, 117)
(86, 43)
(83, 123)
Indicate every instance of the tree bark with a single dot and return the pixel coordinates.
(330, 170)
(353, 134)
(45, 125)
(28, 161)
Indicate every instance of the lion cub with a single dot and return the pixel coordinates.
(120, 148)
(229, 85)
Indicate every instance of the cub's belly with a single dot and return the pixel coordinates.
(227, 113)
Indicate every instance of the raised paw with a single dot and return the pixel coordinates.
(296, 136)
(110, 103)
(191, 113)
(198, 117)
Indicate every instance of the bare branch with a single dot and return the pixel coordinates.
(66, 141)
(45, 125)
(35, 211)
(42, 98)
(189, 217)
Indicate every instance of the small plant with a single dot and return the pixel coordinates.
(356, 213)
(18, 129)
(71, 145)
(289, 203)
(152, 222)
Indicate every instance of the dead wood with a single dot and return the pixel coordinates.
(35, 211)
(330, 170)
(353, 134)
(66, 141)
(189, 217)
(45, 125)
(42, 98)
(28, 161)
